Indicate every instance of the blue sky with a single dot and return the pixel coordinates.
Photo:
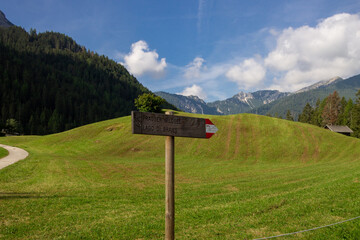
(213, 49)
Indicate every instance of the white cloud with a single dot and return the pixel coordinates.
(247, 74)
(193, 70)
(143, 61)
(309, 54)
(194, 90)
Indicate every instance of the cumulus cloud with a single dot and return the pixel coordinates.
(194, 90)
(247, 74)
(193, 70)
(142, 61)
(308, 54)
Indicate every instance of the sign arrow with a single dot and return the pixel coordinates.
(211, 129)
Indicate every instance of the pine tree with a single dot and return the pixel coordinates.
(355, 123)
(347, 119)
(289, 116)
(307, 114)
(342, 117)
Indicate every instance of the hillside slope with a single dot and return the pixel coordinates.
(100, 181)
(243, 137)
(49, 83)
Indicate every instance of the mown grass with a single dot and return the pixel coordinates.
(256, 177)
(3, 152)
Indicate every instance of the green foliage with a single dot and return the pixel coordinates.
(289, 116)
(317, 115)
(11, 126)
(49, 83)
(149, 102)
(345, 112)
(355, 117)
(306, 115)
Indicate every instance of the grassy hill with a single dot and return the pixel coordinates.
(257, 177)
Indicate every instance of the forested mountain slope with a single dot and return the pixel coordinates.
(295, 102)
(49, 83)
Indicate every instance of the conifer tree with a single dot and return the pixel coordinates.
(307, 114)
(355, 123)
(316, 117)
(289, 116)
(347, 119)
(341, 117)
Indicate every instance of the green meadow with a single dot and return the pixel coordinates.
(3, 152)
(257, 177)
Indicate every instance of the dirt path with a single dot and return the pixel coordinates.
(15, 154)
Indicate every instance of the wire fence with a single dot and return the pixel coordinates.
(308, 230)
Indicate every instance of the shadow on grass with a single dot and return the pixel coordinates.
(19, 195)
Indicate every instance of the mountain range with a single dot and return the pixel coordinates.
(267, 101)
(239, 103)
(296, 101)
(244, 102)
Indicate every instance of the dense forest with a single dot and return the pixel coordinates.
(49, 83)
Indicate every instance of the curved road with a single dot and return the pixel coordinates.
(15, 154)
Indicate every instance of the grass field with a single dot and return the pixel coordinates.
(3, 152)
(257, 177)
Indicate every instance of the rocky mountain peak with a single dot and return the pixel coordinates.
(243, 96)
(320, 84)
(196, 98)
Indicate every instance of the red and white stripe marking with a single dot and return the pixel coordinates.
(211, 129)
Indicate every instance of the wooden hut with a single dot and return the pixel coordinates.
(339, 129)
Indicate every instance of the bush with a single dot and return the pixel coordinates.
(148, 102)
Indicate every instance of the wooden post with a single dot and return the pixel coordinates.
(170, 126)
(169, 187)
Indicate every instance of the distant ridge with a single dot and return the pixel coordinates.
(191, 104)
(239, 103)
(295, 102)
(3, 20)
(265, 102)
(320, 84)
(244, 102)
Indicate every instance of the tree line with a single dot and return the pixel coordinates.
(333, 110)
(49, 83)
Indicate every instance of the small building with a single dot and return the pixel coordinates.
(339, 129)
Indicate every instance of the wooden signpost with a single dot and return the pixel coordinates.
(171, 126)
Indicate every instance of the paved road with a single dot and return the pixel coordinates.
(15, 154)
